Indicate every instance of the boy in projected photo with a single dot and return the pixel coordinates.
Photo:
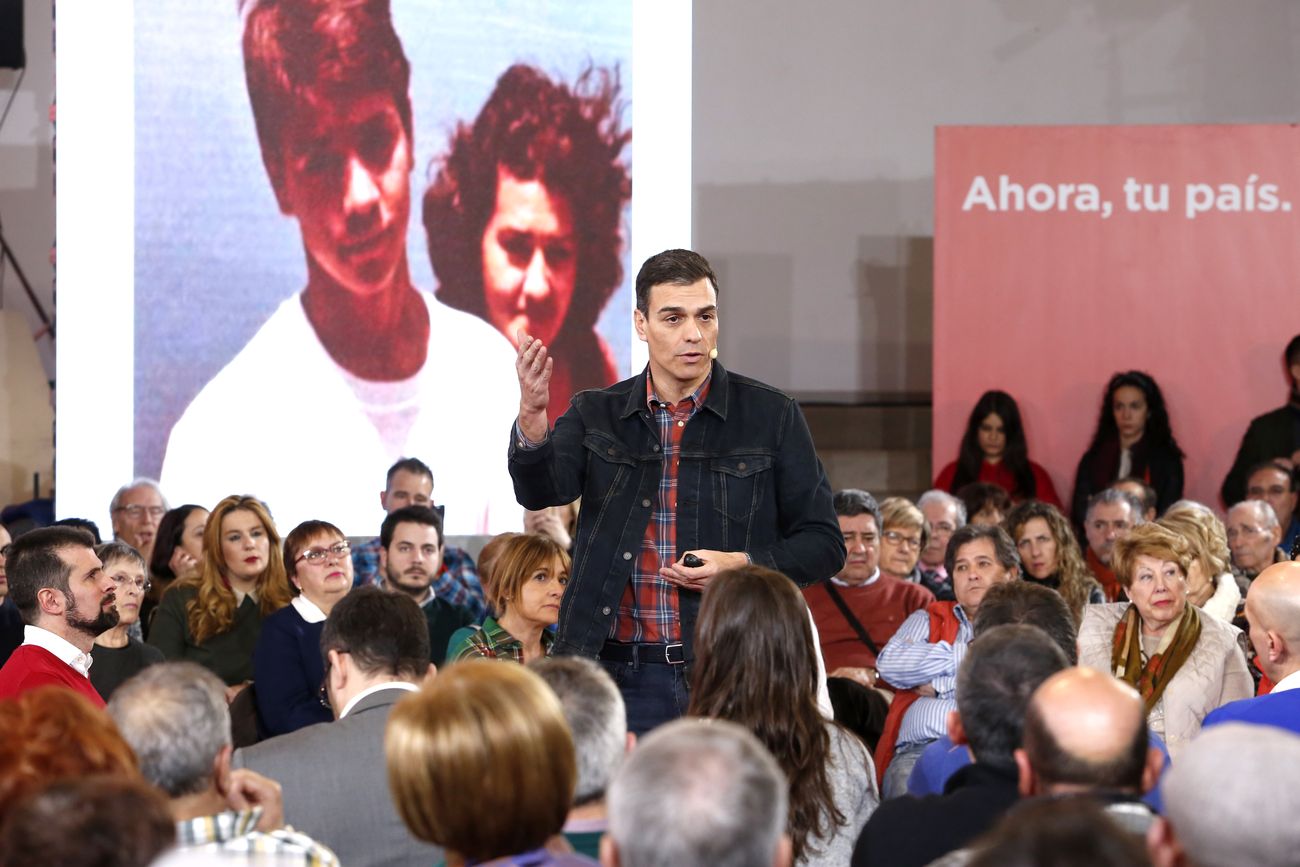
(357, 369)
(523, 218)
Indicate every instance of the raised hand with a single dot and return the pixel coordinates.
(533, 366)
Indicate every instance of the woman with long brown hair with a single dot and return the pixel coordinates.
(755, 665)
(1050, 554)
(215, 619)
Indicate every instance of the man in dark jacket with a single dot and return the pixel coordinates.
(684, 471)
(1274, 434)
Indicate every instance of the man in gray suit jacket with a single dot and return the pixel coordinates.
(333, 775)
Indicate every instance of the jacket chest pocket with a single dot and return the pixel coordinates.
(609, 464)
(739, 483)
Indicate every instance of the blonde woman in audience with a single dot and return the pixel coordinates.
(481, 763)
(903, 533)
(1049, 555)
(756, 665)
(524, 585)
(1211, 586)
(216, 618)
(117, 654)
(1183, 663)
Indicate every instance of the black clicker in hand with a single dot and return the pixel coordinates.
(692, 562)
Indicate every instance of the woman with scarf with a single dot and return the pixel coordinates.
(1182, 661)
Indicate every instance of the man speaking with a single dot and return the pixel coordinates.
(684, 470)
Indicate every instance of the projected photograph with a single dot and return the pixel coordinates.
(345, 215)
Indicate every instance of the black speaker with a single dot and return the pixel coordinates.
(12, 55)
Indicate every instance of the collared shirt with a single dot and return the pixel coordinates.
(1291, 681)
(648, 611)
(234, 832)
(391, 684)
(491, 641)
(875, 576)
(910, 660)
(309, 610)
(457, 581)
(64, 650)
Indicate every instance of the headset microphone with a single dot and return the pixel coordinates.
(713, 353)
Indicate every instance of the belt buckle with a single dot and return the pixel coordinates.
(680, 654)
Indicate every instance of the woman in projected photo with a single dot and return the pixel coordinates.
(522, 218)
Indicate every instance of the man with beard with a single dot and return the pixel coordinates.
(65, 599)
(409, 557)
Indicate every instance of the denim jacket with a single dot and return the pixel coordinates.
(748, 480)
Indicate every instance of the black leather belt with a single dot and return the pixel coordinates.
(637, 654)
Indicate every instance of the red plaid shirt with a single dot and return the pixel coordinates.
(648, 611)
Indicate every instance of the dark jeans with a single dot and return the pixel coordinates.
(654, 693)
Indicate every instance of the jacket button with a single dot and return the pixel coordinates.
(646, 502)
(605, 611)
(740, 466)
(627, 555)
(654, 448)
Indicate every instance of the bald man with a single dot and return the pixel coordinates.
(1086, 734)
(1273, 609)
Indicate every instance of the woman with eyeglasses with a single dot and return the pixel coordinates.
(117, 656)
(287, 666)
(904, 532)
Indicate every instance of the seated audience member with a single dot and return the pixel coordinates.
(1086, 736)
(1230, 800)
(526, 585)
(1273, 609)
(924, 655)
(1000, 672)
(376, 648)
(1054, 833)
(1275, 482)
(136, 509)
(410, 556)
(287, 666)
(1111, 515)
(177, 553)
(994, 450)
(858, 708)
(175, 718)
(1253, 536)
(1144, 493)
(1183, 662)
(597, 718)
(860, 609)
(89, 822)
(66, 600)
(558, 522)
(755, 665)
(216, 618)
(1211, 586)
(455, 578)
(500, 730)
(698, 792)
(491, 550)
(903, 533)
(116, 653)
(1049, 554)
(11, 621)
(52, 734)
(945, 514)
(81, 524)
(1133, 438)
(987, 504)
(1274, 434)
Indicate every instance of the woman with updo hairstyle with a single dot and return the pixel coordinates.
(993, 449)
(215, 619)
(756, 666)
(1183, 663)
(481, 763)
(1211, 586)
(1133, 438)
(177, 553)
(1050, 555)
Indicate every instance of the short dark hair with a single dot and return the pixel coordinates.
(1033, 605)
(672, 267)
(113, 551)
(1275, 464)
(1054, 765)
(977, 495)
(409, 515)
(414, 466)
(1003, 548)
(1071, 831)
(851, 502)
(33, 564)
(82, 524)
(1148, 498)
(1001, 670)
(384, 633)
(296, 542)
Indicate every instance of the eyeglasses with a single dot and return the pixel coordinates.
(141, 584)
(896, 538)
(1243, 530)
(318, 555)
(137, 511)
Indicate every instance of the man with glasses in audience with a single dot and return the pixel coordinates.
(66, 600)
(136, 510)
(1253, 537)
(1275, 483)
(946, 515)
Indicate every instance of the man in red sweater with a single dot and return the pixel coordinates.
(65, 599)
(860, 599)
